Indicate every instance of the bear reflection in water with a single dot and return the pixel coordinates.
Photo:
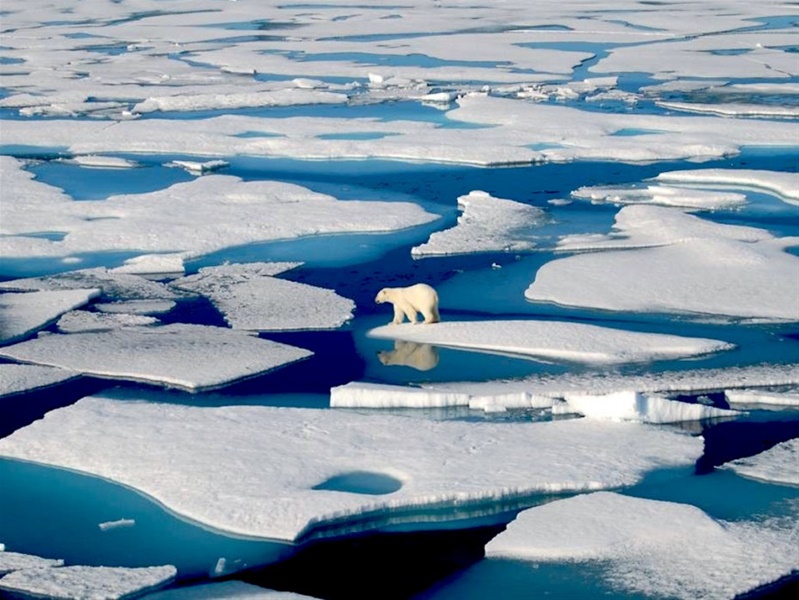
(421, 357)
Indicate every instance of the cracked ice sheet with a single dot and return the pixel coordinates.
(178, 355)
(779, 464)
(552, 340)
(24, 313)
(486, 224)
(18, 379)
(253, 470)
(198, 217)
(111, 583)
(663, 260)
(249, 297)
(15, 561)
(650, 547)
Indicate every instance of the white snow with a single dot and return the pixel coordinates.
(552, 340)
(261, 471)
(224, 590)
(100, 162)
(15, 561)
(663, 260)
(16, 379)
(652, 548)
(68, 583)
(82, 320)
(785, 185)
(199, 168)
(762, 397)
(779, 464)
(643, 408)
(24, 313)
(250, 298)
(153, 264)
(193, 357)
(374, 395)
(136, 307)
(662, 195)
(485, 224)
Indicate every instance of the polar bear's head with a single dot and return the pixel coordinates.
(382, 296)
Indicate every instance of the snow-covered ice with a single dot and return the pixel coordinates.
(16, 561)
(762, 397)
(263, 471)
(250, 297)
(68, 583)
(643, 408)
(785, 185)
(24, 313)
(663, 260)
(136, 307)
(82, 320)
(552, 340)
(225, 590)
(17, 379)
(779, 464)
(663, 195)
(654, 548)
(193, 357)
(485, 224)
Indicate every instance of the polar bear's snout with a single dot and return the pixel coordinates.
(382, 296)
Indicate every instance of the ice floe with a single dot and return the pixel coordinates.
(225, 590)
(21, 314)
(17, 379)
(663, 260)
(785, 185)
(193, 357)
(650, 547)
(663, 195)
(199, 168)
(552, 340)
(250, 298)
(15, 561)
(643, 408)
(281, 472)
(485, 224)
(67, 583)
(762, 397)
(154, 264)
(779, 464)
(82, 320)
(136, 307)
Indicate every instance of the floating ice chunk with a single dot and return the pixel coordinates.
(552, 340)
(250, 298)
(663, 195)
(193, 357)
(112, 284)
(118, 524)
(14, 561)
(652, 548)
(67, 583)
(694, 267)
(285, 97)
(734, 109)
(486, 224)
(199, 168)
(376, 395)
(785, 185)
(136, 307)
(642, 408)
(261, 471)
(153, 264)
(81, 320)
(757, 397)
(225, 590)
(779, 464)
(100, 162)
(18, 379)
(22, 314)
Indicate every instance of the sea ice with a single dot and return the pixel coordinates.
(761, 397)
(250, 298)
(553, 340)
(643, 408)
(68, 583)
(24, 313)
(136, 307)
(153, 264)
(264, 472)
(231, 590)
(662, 195)
(82, 320)
(193, 357)
(14, 561)
(17, 379)
(785, 185)
(486, 224)
(663, 260)
(650, 547)
(779, 464)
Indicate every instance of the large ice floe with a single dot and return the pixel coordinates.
(281, 473)
(779, 464)
(16, 561)
(17, 379)
(486, 224)
(68, 583)
(663, 260)
(178, 355)
(552, 340)
(21, 314)
(250, 297)
(785, 185)
(653, 548)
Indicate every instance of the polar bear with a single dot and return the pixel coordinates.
(407, 301)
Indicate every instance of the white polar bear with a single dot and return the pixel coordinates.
(407, 301)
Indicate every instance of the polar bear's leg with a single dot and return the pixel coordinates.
(409, 311)
(431, 315)
(399, 315)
